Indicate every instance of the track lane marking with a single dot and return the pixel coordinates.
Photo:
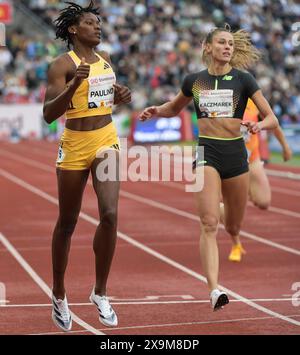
(41, 283)
(148, 250)
(138, 303)
(171, 184)
(194, 217)
(220, 321)
(176, 211)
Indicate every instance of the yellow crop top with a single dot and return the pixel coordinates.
(95, 95)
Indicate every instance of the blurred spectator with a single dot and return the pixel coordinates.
(155, 43)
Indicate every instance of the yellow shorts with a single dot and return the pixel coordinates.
(78, 149)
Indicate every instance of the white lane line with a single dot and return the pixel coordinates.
(193, 217)
(234, 320)
(148, 250)
(171, 184)
(283, 190)
(283, 211)
(49, 168)
(138, 303)
(284, 174)
(186, 161)
(41, 283)
(176, 211)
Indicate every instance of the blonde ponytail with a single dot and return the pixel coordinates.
(244, 54)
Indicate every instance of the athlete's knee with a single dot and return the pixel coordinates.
(233, 228)
(261, 199)
(209, 223)
(262, 204)
(109, 218)
(66, 227)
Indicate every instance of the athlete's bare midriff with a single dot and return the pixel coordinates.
(220, 127)
(88, 123)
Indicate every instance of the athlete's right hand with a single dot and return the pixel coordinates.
(82, 72)
(252, 127)
(148, 113)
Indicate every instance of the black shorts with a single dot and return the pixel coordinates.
(228, 157)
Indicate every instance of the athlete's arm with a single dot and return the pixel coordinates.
(269, 120)
(169, 109)
(59, 93)
(286, 150)
(122, 94)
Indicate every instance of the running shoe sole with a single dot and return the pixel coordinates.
(221, 302)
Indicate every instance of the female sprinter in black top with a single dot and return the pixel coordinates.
(82, 85)
(220, 95)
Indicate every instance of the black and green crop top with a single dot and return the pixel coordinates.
(220, 96)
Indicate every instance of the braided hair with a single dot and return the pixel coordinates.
(71, 16)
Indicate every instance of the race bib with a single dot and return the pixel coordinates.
(101, 90)
(216, 103)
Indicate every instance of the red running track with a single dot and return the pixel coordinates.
(156, 282)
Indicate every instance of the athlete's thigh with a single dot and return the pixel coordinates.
(71, 184)
(235, 196)
(208, 199)
(259, 189)
(106, 181)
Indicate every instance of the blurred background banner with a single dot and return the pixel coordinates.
(161, 130)
(292, 134)
(153, 45)
(24, 121)
(6, 12)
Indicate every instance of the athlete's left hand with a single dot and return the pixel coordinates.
(253, 127)
(122, 94)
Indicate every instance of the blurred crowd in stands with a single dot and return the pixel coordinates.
(155, 43)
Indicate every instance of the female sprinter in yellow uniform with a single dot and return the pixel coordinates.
(82, 85)
(220, 94)
(259, 186)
